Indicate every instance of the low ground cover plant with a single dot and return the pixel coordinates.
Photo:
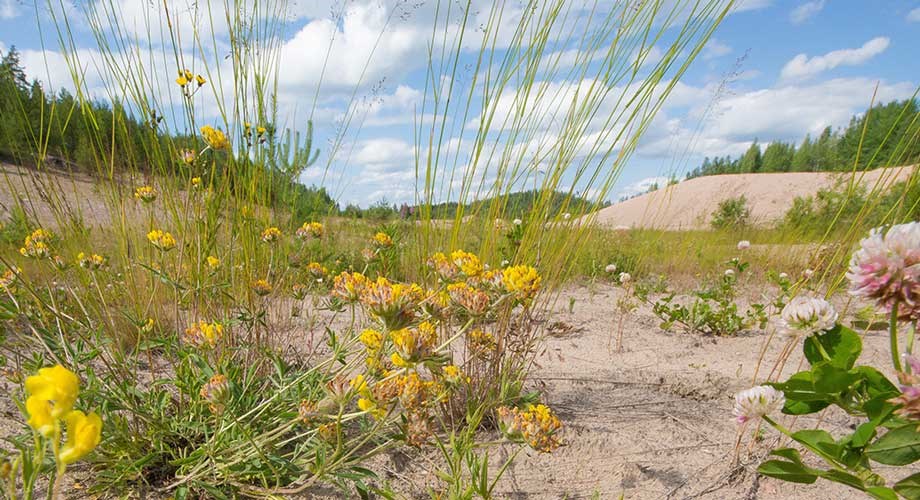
(883, 270)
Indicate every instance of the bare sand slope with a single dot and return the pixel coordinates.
(689, 204)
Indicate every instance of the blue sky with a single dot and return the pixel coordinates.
(787, 68)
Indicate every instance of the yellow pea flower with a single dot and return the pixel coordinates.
(83, 435)
(40, 417)
(200, 79)
(57, 385)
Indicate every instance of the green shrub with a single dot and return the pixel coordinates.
(731, 213)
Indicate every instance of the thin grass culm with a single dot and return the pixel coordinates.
(212, 328)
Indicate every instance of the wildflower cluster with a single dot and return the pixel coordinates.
(36, 245)
(536, 424)
(186, 79)
(162, 240)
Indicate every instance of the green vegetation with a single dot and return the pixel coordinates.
(731, 213)
(886, 135)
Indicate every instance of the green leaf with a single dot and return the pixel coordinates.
(830, 379)
(841, 344)
(801, 397)
(882, 493)
(900, 446)
(787, 471)
(818, 440)
(864, 433)
(843, 478)
(909, 487)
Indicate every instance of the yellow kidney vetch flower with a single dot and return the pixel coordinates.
(382, 240)
(162, 240)
(522, 281)
(271, 235)
(57, 386)
(213, 262)
(83, 435)
(146, 194)
(469, 264)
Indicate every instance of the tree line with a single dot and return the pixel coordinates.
(886, 135)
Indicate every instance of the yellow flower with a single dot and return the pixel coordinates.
(271, 234)
(56, 385)
(162, 240)
(145, 193)
(182, 81)
(8, 278)
(372, 339)
(213, 262)
(200, 80)
(310, 230)
(366, 404)
(260, 130)
(453, 375)
(261, 287)
(204, 334)
(196, 182)
(40, 417)
(83, 435)
(359, 384)
(36, 244)
(393, 303)
(93, 261)
(468, 263)
(414, 344)
(215, 392)
(349, 286)
(317, 270)
(215, 138)
(522, 281)
(383, 240)
(148, 325)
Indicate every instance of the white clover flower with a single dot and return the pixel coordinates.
(744, 245)
(808, 273)
(517, 222)
(756, 402)
(566, 216)
(729, 272)
(505, 263)
(611, 268)
(805, 316)
(783, 276)
(624, 278)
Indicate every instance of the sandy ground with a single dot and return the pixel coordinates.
(689, 204)
(651, 421)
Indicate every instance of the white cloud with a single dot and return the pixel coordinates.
(801, 66)
(8, 9)
(783, 113)
(715, 49)
(642, 186)
(745, 5)
(806, 11)
(914, 16)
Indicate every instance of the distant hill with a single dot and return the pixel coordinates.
(689, 204)
(520, 205)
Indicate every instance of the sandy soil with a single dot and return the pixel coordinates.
(651, 421)
(689, 204)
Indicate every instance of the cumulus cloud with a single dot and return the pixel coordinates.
(801, 66)
(806, 11)
(914, 16)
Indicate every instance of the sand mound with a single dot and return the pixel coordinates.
(689, 204)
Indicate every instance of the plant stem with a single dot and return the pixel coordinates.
(893, 338)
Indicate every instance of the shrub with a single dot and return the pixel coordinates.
(731, 213)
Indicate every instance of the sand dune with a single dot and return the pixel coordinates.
(689, 204)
